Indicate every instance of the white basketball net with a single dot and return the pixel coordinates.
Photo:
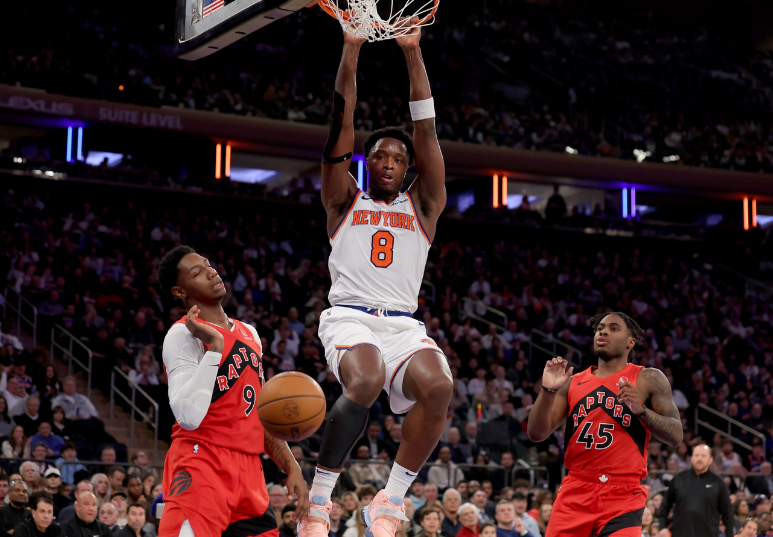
(364, 21)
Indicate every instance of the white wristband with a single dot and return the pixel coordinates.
(422, 109)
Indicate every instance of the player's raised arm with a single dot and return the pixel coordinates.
(552, 404)
(430, 187)
(338, 185)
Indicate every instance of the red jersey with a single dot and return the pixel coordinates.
(602, 436)
(231, 421)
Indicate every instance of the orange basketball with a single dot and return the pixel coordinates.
(291, 406)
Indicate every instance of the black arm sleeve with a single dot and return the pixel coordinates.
(336, 125)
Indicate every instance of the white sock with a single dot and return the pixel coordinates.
(324, 483)
(400, 480)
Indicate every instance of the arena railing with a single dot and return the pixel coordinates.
(21, 303)
(135, 410)
(67, 343)
(498, 313)
(730, 423)
(571, 354)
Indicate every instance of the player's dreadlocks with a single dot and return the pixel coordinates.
(632, 325)
(167, 269)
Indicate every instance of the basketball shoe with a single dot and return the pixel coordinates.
(383, 515)
(317, 522)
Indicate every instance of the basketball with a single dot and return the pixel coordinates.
(291, 406)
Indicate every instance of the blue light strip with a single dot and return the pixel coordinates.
(69, 144)
(80, 143)
(633, 201)
(625, 203)
(360, 174)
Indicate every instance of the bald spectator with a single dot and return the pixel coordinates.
(85, 523)
(108, 515)
(41, 523)
(69, 511)
(16, 511)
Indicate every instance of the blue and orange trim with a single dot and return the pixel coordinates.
(345, 218)
(416, 214)
(405, 360)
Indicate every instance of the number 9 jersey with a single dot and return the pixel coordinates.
(378, 256)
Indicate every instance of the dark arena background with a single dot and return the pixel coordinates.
(600, 156)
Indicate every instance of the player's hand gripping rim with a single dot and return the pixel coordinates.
(556, 373)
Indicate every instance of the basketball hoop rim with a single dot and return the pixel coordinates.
(345, 12)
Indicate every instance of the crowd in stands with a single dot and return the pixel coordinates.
(91, 268)
(569, 78)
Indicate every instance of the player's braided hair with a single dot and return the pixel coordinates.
(167, 269)
(632, 325)
(398, 133)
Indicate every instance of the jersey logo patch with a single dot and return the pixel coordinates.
(245, 335)
(240, 359)
(182, 481)
(385, 219)
(603, 478)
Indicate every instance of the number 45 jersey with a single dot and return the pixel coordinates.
(378, 256)
(231, 421)
(602, 435)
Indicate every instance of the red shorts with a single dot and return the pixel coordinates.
(219, 491)
(587, 507)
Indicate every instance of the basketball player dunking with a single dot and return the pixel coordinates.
(380, 240)
(213, 476)
(607, 432)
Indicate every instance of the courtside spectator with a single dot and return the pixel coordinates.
(505, 519)
(288, 527)
(16, 511)
(451, 502)
(520, 503)
(119, 498)
(136, 491)
(444, 473)
(69, 464)
(101, 488)
(108, 515)
(486, 508)
(468, 517)
(116, 476)
(41, 523)
(30, 471)
(277, 497)
(135, 520)
(429, 520)
(69, 511)
(85, 523)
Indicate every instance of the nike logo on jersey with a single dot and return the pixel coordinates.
(581, 383)
(379, 218)
(640, 492)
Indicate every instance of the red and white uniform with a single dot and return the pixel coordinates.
(606, 459)
(379, 252)
(213, 476)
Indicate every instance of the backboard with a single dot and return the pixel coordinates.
(206, 26)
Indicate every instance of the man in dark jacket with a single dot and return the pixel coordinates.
(41, 524)
(699, 497)
(288, 527)
(16, 511)
(85, 523)
(135, 516)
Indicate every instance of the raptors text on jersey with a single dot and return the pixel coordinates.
(602, 436)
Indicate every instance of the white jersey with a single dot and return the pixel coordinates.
(379, 254)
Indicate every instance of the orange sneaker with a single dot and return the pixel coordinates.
(317, 522)
(383, 515)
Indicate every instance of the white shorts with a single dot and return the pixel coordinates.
(397, 338)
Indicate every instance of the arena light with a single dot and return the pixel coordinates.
(754, 212)
(671, 158)
(641, 155)
(571, 150)
(251, 175)
(496, 191)
(504, 191)
(746, 214)
(625, 203)
(228, 160)
(96, 158)
(79, 154)
(633, 201)
(69, 144)
(218, 150)
(361, 175)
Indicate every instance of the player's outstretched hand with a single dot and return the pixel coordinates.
(297, 490)
(556, 374)
(412, 38)
(204, 332)
(349, 38)
(629, 396)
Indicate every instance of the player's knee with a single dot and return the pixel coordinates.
(436, 390)
(364, 387)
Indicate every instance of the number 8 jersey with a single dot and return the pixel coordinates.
(602, 436)
(378, 256)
